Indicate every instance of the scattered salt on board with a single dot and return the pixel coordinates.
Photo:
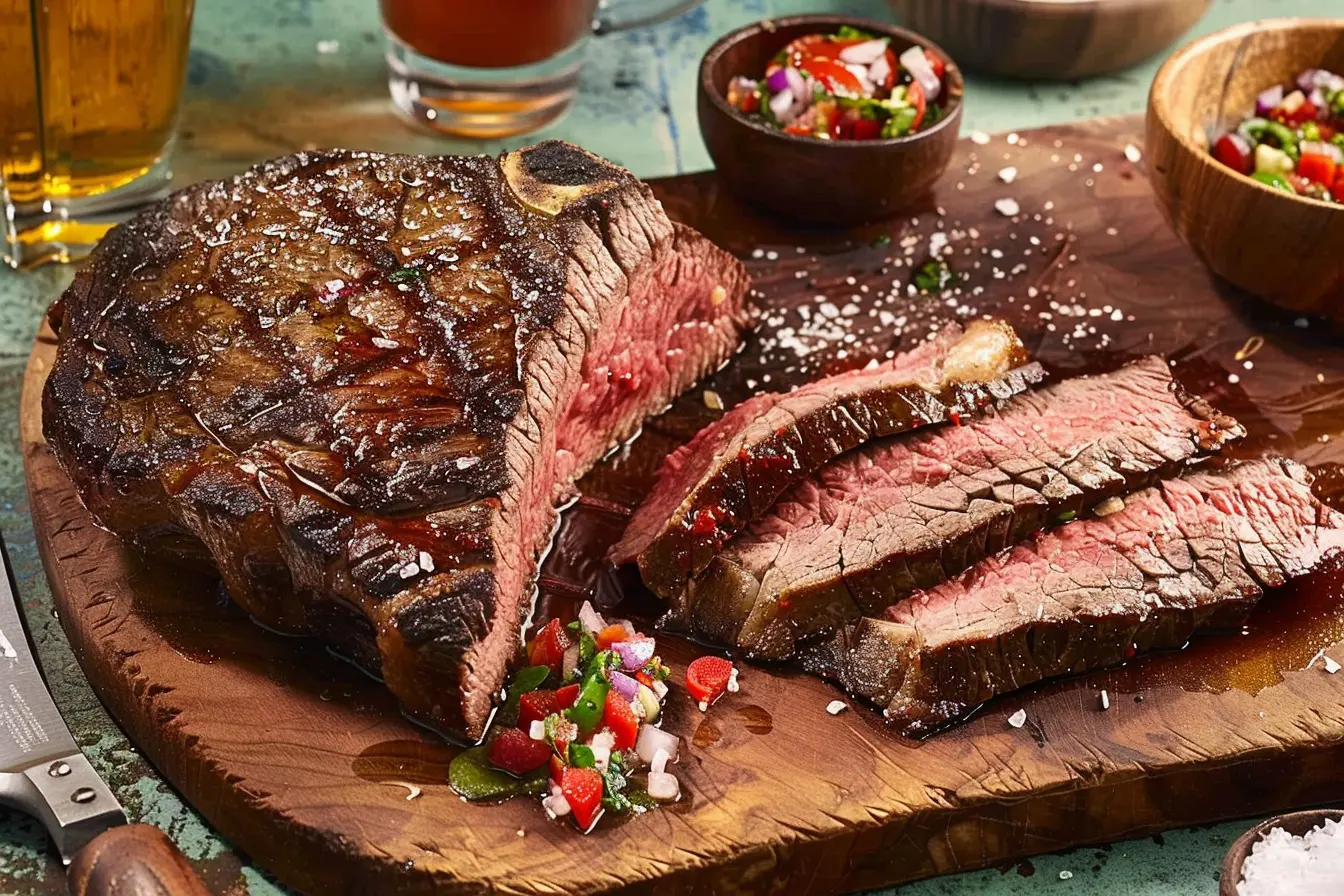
(1283, 865)
(1018, 719)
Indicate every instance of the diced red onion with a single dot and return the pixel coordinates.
(865, 53)
(663, 787)
(635, 653)
(591, 619)
(659, 763)
(778, 80)
(1322, 105)
(556, 804)
(604, 739)
(878, 71)
(626, 686)
(1317, 148)
(1319, 79)
(781, 104)
(659, 688)
(652, 739)
(570, 661)
(917, 64)
(1266, 102)
(797, 84)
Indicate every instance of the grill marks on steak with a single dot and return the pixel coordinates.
(907, 512)
(1188, 554)
(358, 383)
(734, 470)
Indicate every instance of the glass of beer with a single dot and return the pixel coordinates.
(89, 92)
(491, 68)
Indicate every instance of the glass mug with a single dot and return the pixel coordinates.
(491, 68)
(89, 92)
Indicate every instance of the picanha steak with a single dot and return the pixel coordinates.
(1188, 554)
(734, 469)
(358, 384)
(907, 512)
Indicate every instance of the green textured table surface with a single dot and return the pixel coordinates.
(260, 86)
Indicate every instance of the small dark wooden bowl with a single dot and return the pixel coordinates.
(1286, 249)
(1295, 823)
(825, 182)
(1052, 41)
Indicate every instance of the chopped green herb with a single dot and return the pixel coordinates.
(882, 240)
(933, 276)
(849, 32)
(406, 275)
(900, 122)
(614, 783)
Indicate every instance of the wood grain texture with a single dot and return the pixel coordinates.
(133, 860)
(1057, 41)
(1285, 249)
(308, 766)
(802, 178)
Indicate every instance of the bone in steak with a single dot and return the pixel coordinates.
(1188, 554)
(907, 512)
(359, 383)
(734, 469)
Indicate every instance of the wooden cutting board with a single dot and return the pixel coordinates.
(308, 766)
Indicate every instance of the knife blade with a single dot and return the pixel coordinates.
(44, 773)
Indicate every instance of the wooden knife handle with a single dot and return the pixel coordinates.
(133, 860)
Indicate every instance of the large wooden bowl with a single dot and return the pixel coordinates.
(1295, 823)
(824, 182)
(1058, 40)
(1286, 249)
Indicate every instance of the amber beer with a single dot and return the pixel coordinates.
(491, 68)
(89, 93)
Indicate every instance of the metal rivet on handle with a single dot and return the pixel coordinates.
(58, 769)
(83, 795)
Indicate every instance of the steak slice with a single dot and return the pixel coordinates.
(734, 469)
(359, 383)
(1185, 555)
(907, 512)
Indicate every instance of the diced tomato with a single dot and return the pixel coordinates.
(535, 706)
(751, 102)
(936, 62)
(620, 720)
(834, 76)
(892, 67)
(549, 646)
(800, 130)
(565, 697)
(819, 46)
(612, 634)
(582, 789)
(516, 753)
(915, 94)
(557, 769)
(644, 678)
(866, 129)
(1304, 112)
(1233, 153)
(1338, 188)
(1327, 132)
(1317, 167)
(707, 678)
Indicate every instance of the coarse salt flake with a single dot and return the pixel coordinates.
(1330, 665)
(979, 138)
(1018, 719)
(1008, 175)
(835, 707)
(1008, 207)
(327, 47)
(1133, 153)
(1281, 864)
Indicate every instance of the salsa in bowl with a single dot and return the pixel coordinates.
(845, 85)
(831, 168)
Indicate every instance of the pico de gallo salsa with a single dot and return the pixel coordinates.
(579, 726)
(849, 85)
(1295, 140)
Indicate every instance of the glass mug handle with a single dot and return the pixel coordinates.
(622, 15)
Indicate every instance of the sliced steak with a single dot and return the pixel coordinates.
(358, 383)
(1185, 555)
(734, 469)
(907, 512)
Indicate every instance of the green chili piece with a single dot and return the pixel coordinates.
(587, 710)
(581, 756)
(1257, 129)
(1275, 180)
(900, 122)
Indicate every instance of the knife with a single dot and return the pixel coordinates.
(43, 773)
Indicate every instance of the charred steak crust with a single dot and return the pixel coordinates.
(1188, 554)
(734, 469)
(907, 512)
(358, 383)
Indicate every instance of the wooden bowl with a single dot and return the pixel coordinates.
(1295, 823)
(825, 182)
(1286, 249)
(1059, 40)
